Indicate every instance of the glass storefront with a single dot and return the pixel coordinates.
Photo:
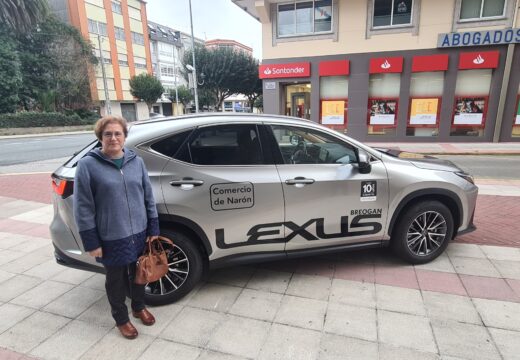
(298, 100)
(425, 103)
(383, 98)
(334, 102)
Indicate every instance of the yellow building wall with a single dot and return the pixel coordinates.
(118, 20)
(95, 13)
(139, 50)
(127, 96)
(136, 26)
(125, 72)
(109, 71)
(134, 3)
(139, 71)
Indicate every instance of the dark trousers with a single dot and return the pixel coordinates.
(120, 282)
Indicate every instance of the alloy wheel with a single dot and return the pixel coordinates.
(178, 271)
(426, 233)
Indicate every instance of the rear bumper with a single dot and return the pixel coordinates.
(65, 260)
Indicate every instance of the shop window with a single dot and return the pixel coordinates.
(516, 120)
(383, 95)
(426, 90)
(302, 18)
(471, 101)
(481, 9)
(297, 100)
(333, 102)
(392, 13)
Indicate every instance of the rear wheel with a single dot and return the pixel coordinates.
(185, 270)
(423, 232)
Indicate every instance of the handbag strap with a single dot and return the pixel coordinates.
(158, 241)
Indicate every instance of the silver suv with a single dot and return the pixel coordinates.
(234, 189)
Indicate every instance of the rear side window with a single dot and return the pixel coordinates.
(225, 145)
(73, 161)
(171, 145)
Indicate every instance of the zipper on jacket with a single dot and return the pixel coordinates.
(128, 204)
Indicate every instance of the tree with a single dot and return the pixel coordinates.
(226, 72)
(184, 94)
(22, 15)
(146, 87)
(10, 75)
(259, 103)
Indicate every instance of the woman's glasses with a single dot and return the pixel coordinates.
(109, 134)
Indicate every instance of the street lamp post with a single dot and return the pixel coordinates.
(194, 67)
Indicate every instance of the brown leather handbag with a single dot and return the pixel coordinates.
(153, 264)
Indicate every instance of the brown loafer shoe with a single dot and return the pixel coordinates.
(128, 330)
(145, 316)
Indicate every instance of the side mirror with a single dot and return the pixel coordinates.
(364, 162)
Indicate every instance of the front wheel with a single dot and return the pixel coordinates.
(423, 232)
(184, 271)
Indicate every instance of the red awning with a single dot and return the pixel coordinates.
(479, 60)
(290, 70)
(386, 65)
(430, 63)
(332, 68)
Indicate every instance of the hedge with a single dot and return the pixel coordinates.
(38, 119)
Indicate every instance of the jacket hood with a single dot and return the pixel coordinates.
(98, 154)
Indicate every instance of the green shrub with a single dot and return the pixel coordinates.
(39, 119)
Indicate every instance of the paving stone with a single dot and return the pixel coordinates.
(302, 312)
(442, 263)
(257, 304)
(464, 340)
(163, 349)
(396, 275)
(7, 241)
(352, 321)
(12, 314)
(26, 262)
(488, 288)
(6, 256)
(31, 331)
(41, 215)
(475, 267)
(71, 341)
(74, 302)
(46, 270)
(42, 294)
(213, 355)
(465, 250)
(508, 269)
(387, 352)
(499, 314)
(16, 285)
(73, 276)
(18, 206)
(31, 244)
(99, 313)
(95, 282)
(404, 330)
(163, 316)
(193, 326)
(235, 276)
(230, 337)
(450, 307)
(501, 253)
(507, 341)
(114, 346)
(335, 347)
(310, 286)
(399, 299)
(353, 293)
(268, 280)
(215, 297)
(5, 275)
(287, 343)
(355, 271)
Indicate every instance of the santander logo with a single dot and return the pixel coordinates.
(386, 65)
(267, 71)
(478, 60)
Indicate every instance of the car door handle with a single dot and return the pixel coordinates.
(299, 180)
(186, 183)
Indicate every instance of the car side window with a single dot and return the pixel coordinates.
(305, 146)
(171, 145)
(226, 145)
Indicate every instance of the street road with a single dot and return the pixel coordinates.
(488, 166)
(24, 150)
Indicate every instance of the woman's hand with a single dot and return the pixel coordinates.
(96, 252)
(150, 238)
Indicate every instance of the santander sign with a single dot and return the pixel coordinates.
(273, 71)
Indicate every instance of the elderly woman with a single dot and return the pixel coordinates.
(115, 212)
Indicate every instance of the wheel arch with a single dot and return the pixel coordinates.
(447, 197)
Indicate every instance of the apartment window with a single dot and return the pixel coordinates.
(95, 2)
(392, 12)
(308, 17)
(165, 49)
(481, 9)
(167, 71)
(116, 7)
(94, 25)
(134, 13)
(106, 56)
(140, 62)
(120, 33)
(137, 38)
(122, 59)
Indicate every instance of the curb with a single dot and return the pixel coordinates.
(79, 132)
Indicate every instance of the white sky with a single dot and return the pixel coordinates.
(212, 19)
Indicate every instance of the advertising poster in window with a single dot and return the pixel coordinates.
(469, 111)
(382, 111)
(333, 112)
(517, 118)
(424, 111)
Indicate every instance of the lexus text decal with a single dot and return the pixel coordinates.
(230, 196)
(273, 71)
(313, 229)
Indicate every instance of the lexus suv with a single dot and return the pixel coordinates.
(241, 188)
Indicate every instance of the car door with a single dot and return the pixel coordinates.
(223, 181)
(328, 201)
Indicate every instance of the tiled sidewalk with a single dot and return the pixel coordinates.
(368, 304)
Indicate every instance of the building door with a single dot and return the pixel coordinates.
(300, 105)
(128, 112)
(167, 109)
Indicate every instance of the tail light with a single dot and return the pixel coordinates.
(62, 187)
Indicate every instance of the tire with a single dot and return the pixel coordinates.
(410, 239)
(186, 261)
